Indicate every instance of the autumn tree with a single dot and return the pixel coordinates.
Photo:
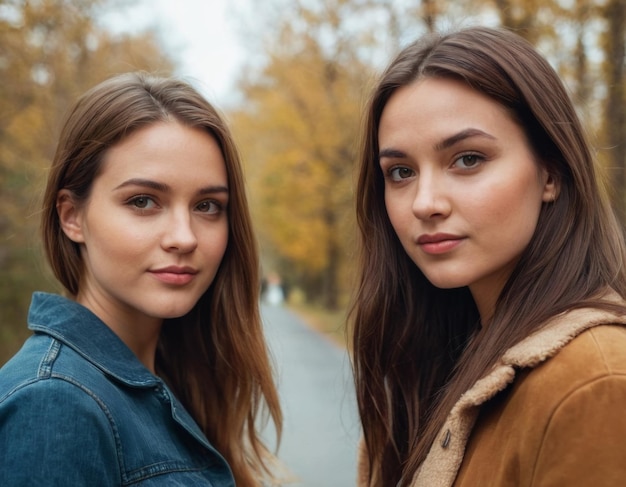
(299, 130)
(304, 90)
(50, 52)
(586, 41)
(614, 127)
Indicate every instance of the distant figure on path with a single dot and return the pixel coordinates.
(274, 293)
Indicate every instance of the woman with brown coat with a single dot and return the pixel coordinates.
(489, 339)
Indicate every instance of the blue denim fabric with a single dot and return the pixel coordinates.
(77, 408)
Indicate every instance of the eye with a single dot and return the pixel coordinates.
(209, 207)
(142, 202)
(468, 161)
(399, 173)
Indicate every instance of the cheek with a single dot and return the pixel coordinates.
(118, 241)
(219, 248)
(513, 196)
(511, 214)
(398, 211)
(213, 243)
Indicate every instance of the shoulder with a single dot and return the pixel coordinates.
(603, 345)
(68, 427)
(571, 349)
(45, 363)
(44, 394)
(583, 390)
(597, 354)
(589, 370)
(594, 359)
(559, 423)
(51, 401)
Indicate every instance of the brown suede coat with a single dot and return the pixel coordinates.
(537, 422)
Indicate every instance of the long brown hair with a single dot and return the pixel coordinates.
(214, 358)
(415, 346)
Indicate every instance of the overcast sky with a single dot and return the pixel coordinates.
(199, 34)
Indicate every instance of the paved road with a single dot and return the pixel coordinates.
(321, 429)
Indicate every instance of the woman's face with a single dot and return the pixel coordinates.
(462, 188)
(154, 229)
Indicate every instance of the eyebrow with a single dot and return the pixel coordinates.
(462, 135)
(444, 144)
(157, 186)
(391, 153)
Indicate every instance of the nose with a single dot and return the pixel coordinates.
(431, 199)
(179, 235)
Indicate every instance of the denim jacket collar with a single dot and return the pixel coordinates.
(80, 329)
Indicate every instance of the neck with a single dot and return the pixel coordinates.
(140, 333)
(486, 305)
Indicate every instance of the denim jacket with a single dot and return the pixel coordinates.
(77, 408)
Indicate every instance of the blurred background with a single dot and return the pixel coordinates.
(292, 78)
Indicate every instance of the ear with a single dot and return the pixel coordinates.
(550, 188)
(70, 216)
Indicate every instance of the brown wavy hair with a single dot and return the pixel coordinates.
(214, 358)
(416, 346)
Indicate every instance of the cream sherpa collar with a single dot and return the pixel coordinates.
(440, 467)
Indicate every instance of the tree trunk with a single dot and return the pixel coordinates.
(616, 96)
(331, 288)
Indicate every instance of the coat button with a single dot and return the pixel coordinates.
(446, 439)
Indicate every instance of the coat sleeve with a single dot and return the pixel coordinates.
(54, 433)
(585, 439)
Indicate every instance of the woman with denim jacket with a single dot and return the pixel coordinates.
(153, 370)
(489, 322)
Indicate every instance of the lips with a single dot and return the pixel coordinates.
(439, 243)
(176, 275)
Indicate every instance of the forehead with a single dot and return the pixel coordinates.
(169, 151)
(440, 106)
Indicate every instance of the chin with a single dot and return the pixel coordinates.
(443, 282)
(447, 285)
(174, 305)
(175, 312)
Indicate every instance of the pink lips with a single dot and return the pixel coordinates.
(175, 275)
(439, 243)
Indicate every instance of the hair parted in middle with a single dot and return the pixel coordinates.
(416, 347)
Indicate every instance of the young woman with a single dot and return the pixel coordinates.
(489, 340)
(154, 369)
